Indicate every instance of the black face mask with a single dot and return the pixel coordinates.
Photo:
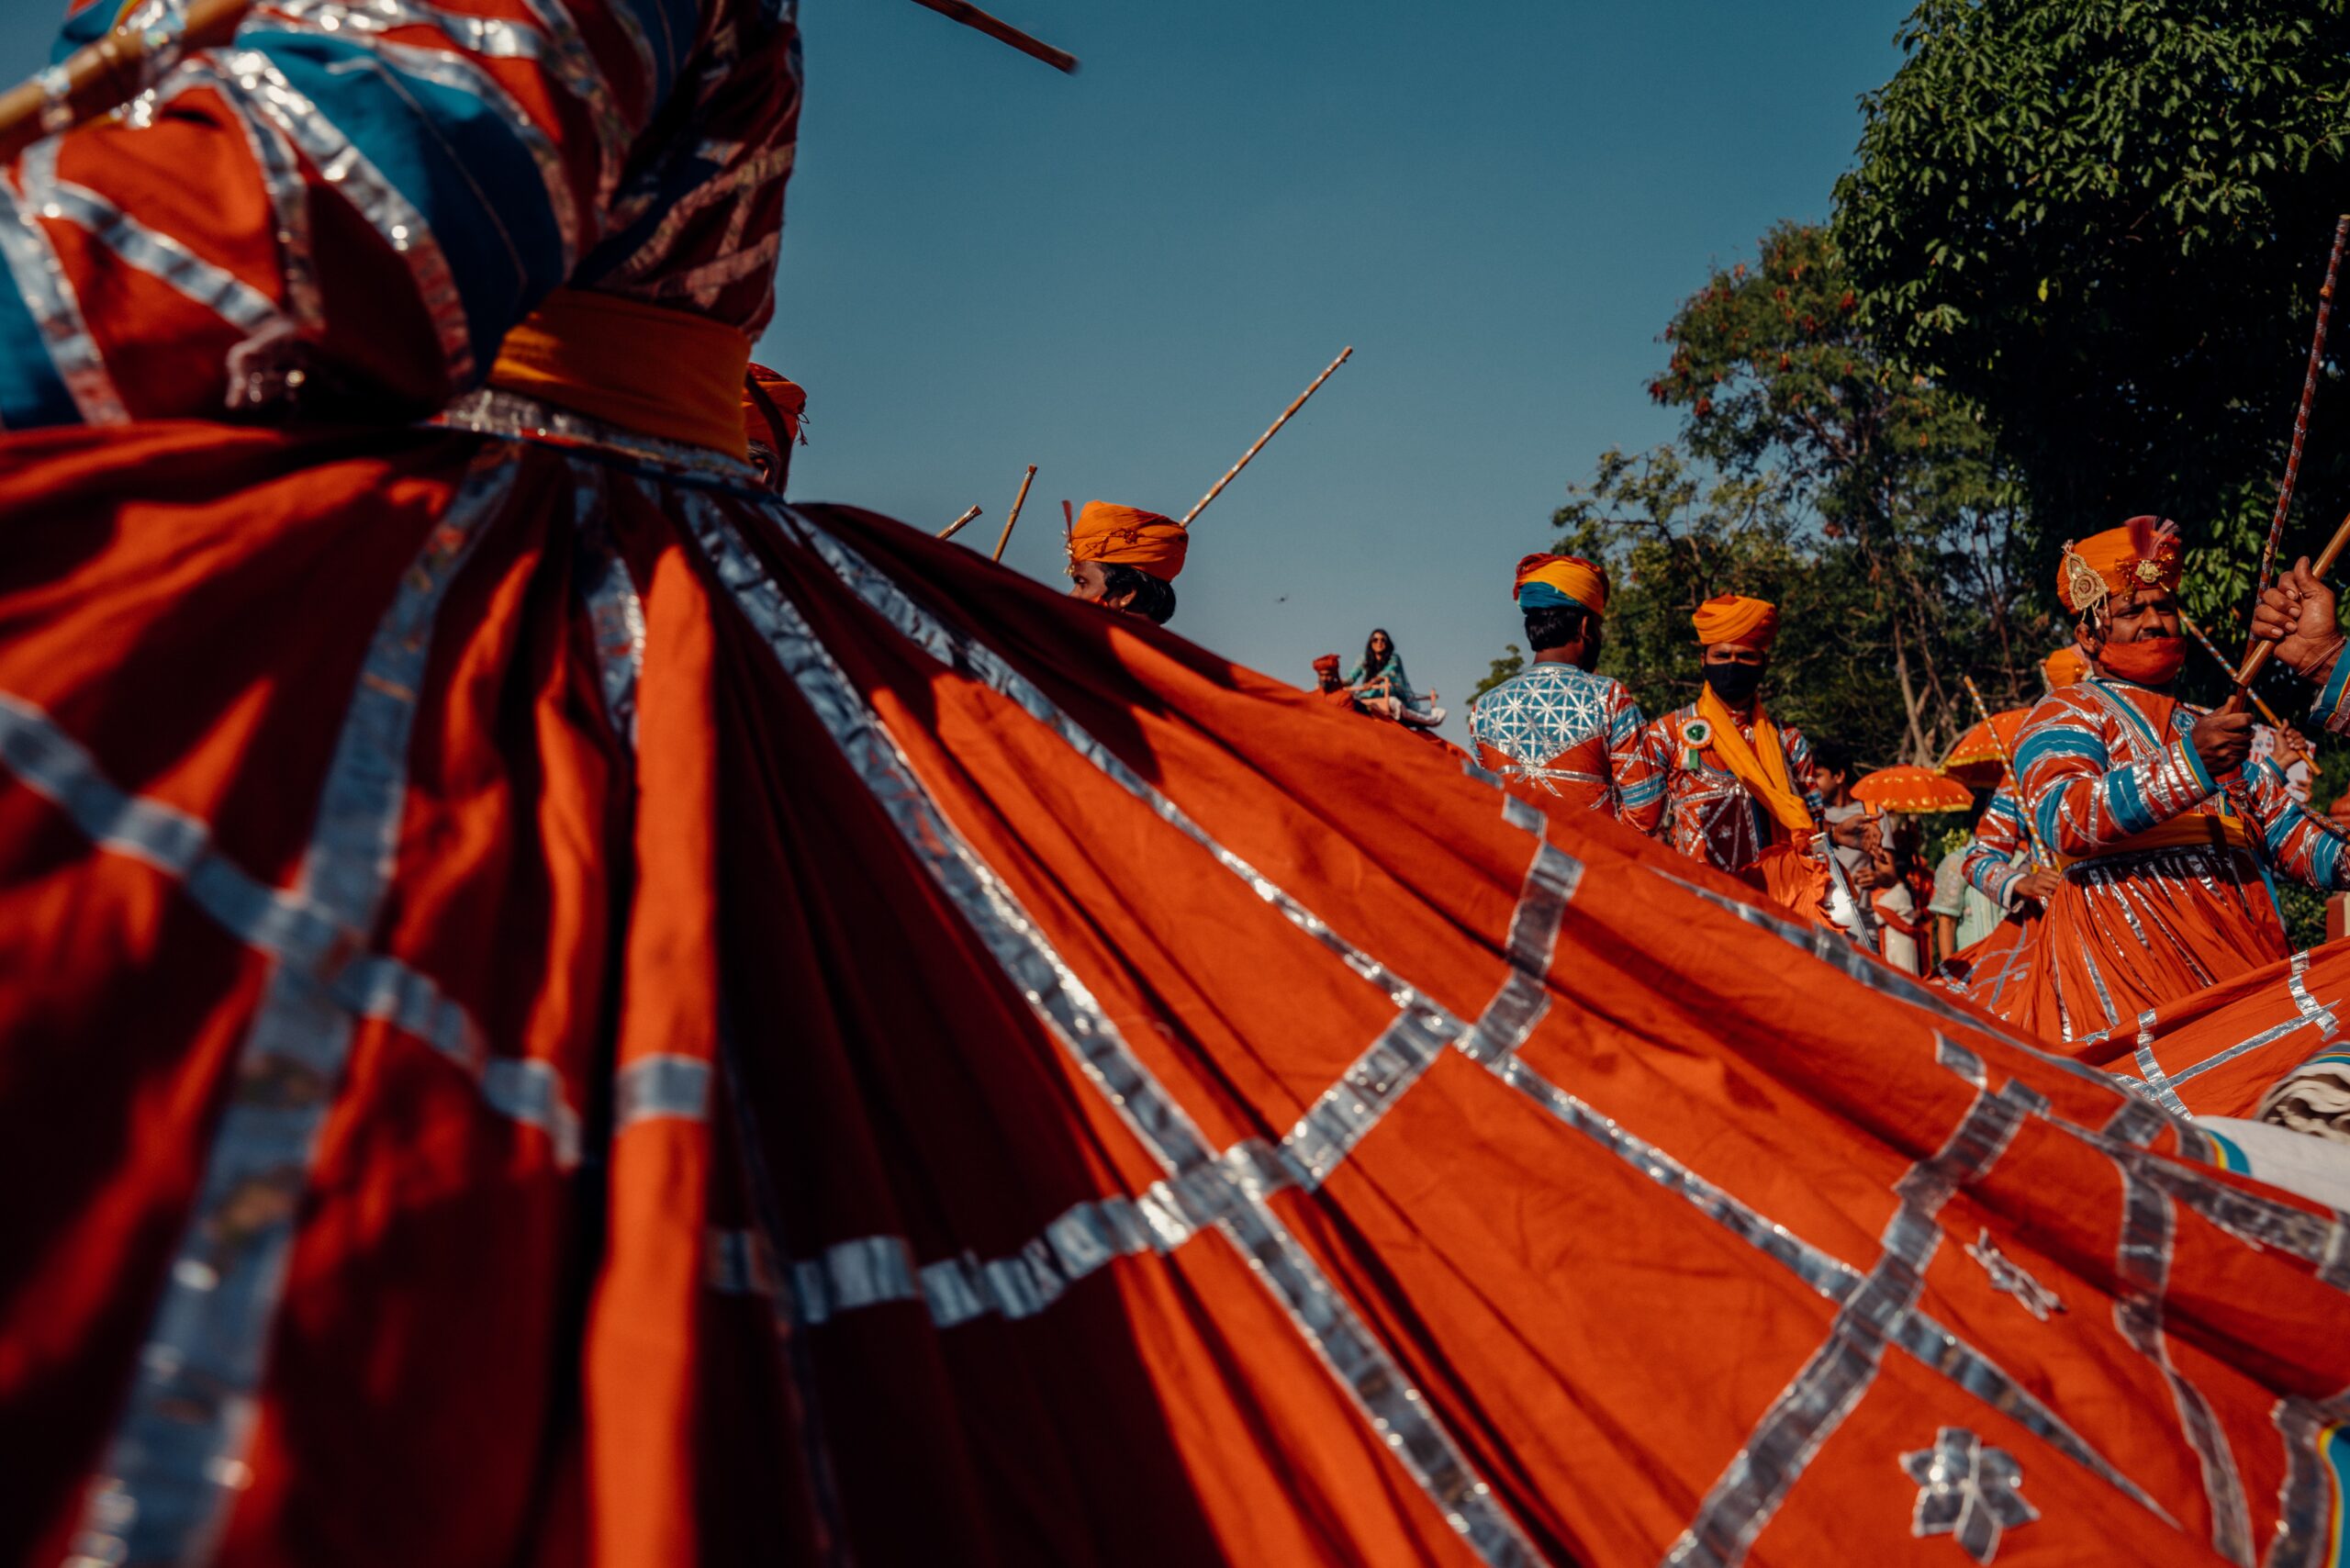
(1734, 684)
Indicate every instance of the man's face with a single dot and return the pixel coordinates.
(1329, 680)
(2149, 614)
(1735, 656)
(1089, 582)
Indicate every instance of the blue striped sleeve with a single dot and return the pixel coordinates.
(2328, 706)
(461, 163)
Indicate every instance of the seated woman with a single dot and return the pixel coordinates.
(1380, 687)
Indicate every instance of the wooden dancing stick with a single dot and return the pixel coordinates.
(1017, 502)
(952, 528)
(2285, 731)
(1302, 397)
(101, 77)
(1003, 32)
(2258, 657)
(2030, 840)
(2301, 414)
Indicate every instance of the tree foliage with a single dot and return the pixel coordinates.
(1868, 503)
(2103, 222)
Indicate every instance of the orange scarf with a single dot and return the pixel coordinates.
(1762, 768)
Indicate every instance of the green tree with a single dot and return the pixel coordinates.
(1867, 503)
(2102, 222)
(1779, 380)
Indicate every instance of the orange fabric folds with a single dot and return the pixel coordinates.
(664, 372)
(815, 1048)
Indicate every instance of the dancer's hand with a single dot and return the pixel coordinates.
(2297, 613)
(2222, 740)
(2039, 887)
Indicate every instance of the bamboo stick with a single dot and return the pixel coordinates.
(1003, 32)
(952, 528)
(2258, 658)
(101, 77)
(1017, 502)
(2285, 731)
(2301, 413)
(1218, 488)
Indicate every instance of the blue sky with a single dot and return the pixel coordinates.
(1124, 276)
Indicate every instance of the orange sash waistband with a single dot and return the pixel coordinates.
(644, 367)
(2197, 828)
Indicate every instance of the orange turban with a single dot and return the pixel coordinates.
(2142, 553)
(1561, 582)
(2065, 668)
(1128, 536)
(772, 408)
(1733, 619)
(1326, 665)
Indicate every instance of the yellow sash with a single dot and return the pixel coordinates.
(1762, 768)
(2197, 829)
(644, 367)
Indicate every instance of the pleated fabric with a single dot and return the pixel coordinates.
(559, 1010)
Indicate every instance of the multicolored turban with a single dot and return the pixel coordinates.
(2065, 668)
(1128, 536)
(1732, 618)
(1561, 582)
(2142, 553)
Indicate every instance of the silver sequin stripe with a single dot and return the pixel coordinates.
(280, 171)
(249, 75)
(177, 1455)
(1927, 1340)
(1394, 1061)
(1395, 1409)
(1833, 948)
(873, 1270)
(970, 657)
(2309, 1011)
(39, 277)
(292, 927)
(1398, 1052)
(615, 610)
(141, 248)
(455, 74)
(512, 417)
(1345, 1114)
(1840, 1373)
(2143, 1258)
(2157, 1083)
(548, 42)
(162, 27)
(661, 1087)
(2305, 1498)
(2259, 1222)
(56, 86)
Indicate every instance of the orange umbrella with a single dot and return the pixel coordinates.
(1911, 788)
(1974, 760)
